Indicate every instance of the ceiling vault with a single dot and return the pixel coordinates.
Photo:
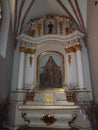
(75, 12)
(20, 12)
(26, 13)
(81, 18)
(15, 17)
(62, 5)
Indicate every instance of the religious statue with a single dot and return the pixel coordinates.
(51, 75)
(50, 27)
(31, 30)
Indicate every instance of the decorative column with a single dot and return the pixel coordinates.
(78, 48)
(71, 66)
(29, 68)
(21, 66)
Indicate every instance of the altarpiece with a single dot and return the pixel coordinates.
(50, 61)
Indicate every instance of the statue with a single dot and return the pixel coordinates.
(50, 26)
(51, 75)
(31, 30)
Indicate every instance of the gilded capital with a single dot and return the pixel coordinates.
(78, 47)
(22, 48)
(70, 49)
(30, 50)
(27, 50)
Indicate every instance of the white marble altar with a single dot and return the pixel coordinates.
(26, 79)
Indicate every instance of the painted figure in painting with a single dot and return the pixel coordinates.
(51, 75)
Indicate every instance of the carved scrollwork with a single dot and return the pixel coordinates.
(26, 120)
(74, 117)
(59, 25)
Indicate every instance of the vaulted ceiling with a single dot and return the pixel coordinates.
(24, 10)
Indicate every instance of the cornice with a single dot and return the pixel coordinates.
(50, 37)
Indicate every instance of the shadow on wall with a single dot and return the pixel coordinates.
(4, 108)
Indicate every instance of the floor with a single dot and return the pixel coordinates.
(38, 128)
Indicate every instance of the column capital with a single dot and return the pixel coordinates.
(27, 50)
(30, 50)
(22, 46)
(22, 49)
(70, 49)
(78, 47)
(27, 47)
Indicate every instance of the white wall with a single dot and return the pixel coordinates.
(6, 68)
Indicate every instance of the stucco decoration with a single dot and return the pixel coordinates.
(50, 24)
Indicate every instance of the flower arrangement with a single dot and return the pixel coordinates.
(70, 92)
(30, 93)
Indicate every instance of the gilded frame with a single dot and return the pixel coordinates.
(55, 55)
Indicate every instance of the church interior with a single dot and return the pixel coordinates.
(48, 65)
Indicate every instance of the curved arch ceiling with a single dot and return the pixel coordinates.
(24, 10)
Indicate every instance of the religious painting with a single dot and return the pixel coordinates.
(50, 26)
(50, 70)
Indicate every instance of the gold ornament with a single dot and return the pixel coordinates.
(70, 49)
(69, 59)
(78, 47)
(31, 59)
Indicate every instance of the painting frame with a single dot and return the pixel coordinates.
(41, 61)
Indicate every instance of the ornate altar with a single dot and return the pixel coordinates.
(47, 61)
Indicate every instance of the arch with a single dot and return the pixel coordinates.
(4, 27)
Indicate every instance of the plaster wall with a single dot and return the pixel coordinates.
(92, 32)
(6, 68)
